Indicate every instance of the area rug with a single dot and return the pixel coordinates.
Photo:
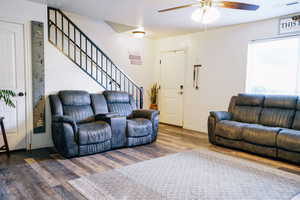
(202, 174)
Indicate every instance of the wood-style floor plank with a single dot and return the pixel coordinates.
(119, 157)
(137, 154)
(44, 174)
(70, 165)
(108, 160)
(130, 157)
(88, 162)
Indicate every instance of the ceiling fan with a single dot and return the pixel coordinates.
(207, 11)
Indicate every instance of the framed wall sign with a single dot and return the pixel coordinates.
(135, 58)
(289, 24)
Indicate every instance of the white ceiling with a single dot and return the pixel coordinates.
(144, 13)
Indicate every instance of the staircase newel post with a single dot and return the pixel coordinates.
(141, 97)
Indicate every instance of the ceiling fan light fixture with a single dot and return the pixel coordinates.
(206, 15)
(139, 33)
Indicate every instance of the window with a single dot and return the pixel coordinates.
(273, 66)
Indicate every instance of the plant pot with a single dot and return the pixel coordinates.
(154, 107)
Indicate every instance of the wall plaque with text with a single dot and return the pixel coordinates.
(290, 24)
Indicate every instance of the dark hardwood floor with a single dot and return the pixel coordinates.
(44, 174)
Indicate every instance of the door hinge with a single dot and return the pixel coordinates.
(160, 62)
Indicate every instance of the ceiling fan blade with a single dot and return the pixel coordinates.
(237, 5)
(179, 7)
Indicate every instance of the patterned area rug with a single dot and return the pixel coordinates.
(191, 175)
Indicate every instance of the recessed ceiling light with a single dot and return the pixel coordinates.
(140, 33)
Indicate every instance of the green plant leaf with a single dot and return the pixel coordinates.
(6, 96)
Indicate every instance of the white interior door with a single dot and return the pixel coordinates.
(12, 77)
(172, 87)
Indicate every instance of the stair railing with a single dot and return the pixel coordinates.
(82, 51)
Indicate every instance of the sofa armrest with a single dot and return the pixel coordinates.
(211, 126)
(118, 124)
(65, 119)
(103, 116)
(64, 135)
(221, 115)
(153, 116)
(148, 114)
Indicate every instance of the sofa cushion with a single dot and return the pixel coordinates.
(289, 139)
(79, 114)
(116, 97)
(230, 129)
(138, 127)
(99, 103)
(121, 108)
(262, 135)
(247, 114)
(92, 133)
(280, 101)
(120, 102)
(277, 117)
(249, 100)
(247, 108)
(75, 98)
(77, 105)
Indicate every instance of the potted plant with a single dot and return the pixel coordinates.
(6, 95)
(154, 96)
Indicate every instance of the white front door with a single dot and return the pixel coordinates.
(172, 87)
(12, 77)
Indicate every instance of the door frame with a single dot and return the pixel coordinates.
(185, 51)
(28, 88)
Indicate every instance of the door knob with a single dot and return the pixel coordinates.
(21, 94)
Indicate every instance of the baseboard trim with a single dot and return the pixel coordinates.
(163, 123)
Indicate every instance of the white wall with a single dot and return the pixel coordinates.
(223, 54)
(117, 46)
(61, 73)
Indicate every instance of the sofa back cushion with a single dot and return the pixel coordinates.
(120, 102)
(278, 111)
(296, 122)
(247, 108)
(77, 104)
(99, 103)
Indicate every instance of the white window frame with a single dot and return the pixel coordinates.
(297, 92)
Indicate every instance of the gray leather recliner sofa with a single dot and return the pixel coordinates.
(263, 124)
(84, 123)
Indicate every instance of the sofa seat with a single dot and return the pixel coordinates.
(288, 139)
(94, 132)
(262, 135)
(230, 129)
(139, 127)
